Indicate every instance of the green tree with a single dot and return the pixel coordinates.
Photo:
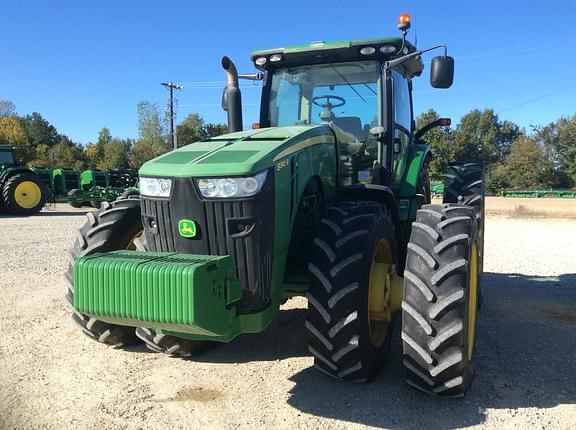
(152, 135)
(12, 133)
(104, 138)
(480, 136)
(115, 155)
(440, 140)
(496, 179)
(92, 155)
(191, 130)
(42, 156)
(39, 131)
(526, 166)
(559, 142)
(151, 126)
(212, 130)
(194, 128)
(141, 152)
(67, 154)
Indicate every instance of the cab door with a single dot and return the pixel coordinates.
(402, 123)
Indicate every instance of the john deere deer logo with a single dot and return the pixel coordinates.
(187, 228)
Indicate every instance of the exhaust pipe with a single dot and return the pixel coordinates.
(232, 99)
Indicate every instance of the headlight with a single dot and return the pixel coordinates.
(155, 187)
(231, 187)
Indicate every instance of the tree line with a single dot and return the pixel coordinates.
(544, 156)
(38, 143)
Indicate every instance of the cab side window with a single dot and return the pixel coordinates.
(402, 122)
(402, 105)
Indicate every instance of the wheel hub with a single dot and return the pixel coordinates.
(379, 293)
(472, 301)
(27, 194)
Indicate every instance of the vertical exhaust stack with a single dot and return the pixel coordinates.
(232, 101)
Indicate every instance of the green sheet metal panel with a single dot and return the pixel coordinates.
(171, 291)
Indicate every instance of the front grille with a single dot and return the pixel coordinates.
(243, 229)
(158, 237)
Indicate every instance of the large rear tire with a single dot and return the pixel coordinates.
(349, 301)
(439, 308)
(115, 226)
(24, 194)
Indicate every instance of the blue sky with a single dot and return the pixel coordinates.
(85, 64)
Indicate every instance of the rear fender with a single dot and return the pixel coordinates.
(408, 202)
(11, 171)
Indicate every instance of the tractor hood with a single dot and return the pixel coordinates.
(236, 154)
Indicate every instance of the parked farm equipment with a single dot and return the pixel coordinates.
(22, 192)
(550, 193)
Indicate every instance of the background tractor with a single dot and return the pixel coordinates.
(21, 191)
(327, 197)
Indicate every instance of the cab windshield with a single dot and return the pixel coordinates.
(344, 95)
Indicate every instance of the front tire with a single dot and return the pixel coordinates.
(115, 226)
(349, 314)
(164, 343)
(439, 308)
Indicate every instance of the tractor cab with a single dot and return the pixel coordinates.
(361, 89)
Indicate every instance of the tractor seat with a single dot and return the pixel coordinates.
(350, 124)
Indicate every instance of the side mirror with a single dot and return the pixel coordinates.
(442, 72)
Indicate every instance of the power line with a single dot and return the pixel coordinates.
(558, 43)
(538, 98)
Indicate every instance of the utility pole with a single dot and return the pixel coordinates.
(171, 87)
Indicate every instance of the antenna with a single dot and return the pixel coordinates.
(415, 27)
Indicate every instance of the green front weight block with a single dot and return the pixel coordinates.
(175, 292)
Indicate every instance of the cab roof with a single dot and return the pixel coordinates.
(340, 51)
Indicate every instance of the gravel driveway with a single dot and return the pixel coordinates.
(51, 376)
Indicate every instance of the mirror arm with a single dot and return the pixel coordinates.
(393, 63)
(440, 122)
(252, 77)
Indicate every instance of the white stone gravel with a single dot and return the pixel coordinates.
(53, 377)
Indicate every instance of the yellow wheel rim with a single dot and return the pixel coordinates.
(472, 300)
(131, 245)
(379, 292)
(27, 194)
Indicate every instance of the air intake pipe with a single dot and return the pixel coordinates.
(232, 98)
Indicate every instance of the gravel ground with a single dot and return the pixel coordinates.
(51, 376)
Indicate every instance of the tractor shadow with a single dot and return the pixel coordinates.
(526, 347)
(62, 213)
(49, 213)
(285, 337)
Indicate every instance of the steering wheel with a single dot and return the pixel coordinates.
(328, 105)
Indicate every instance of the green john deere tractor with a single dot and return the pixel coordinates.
(327, 197)
(21, 190)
